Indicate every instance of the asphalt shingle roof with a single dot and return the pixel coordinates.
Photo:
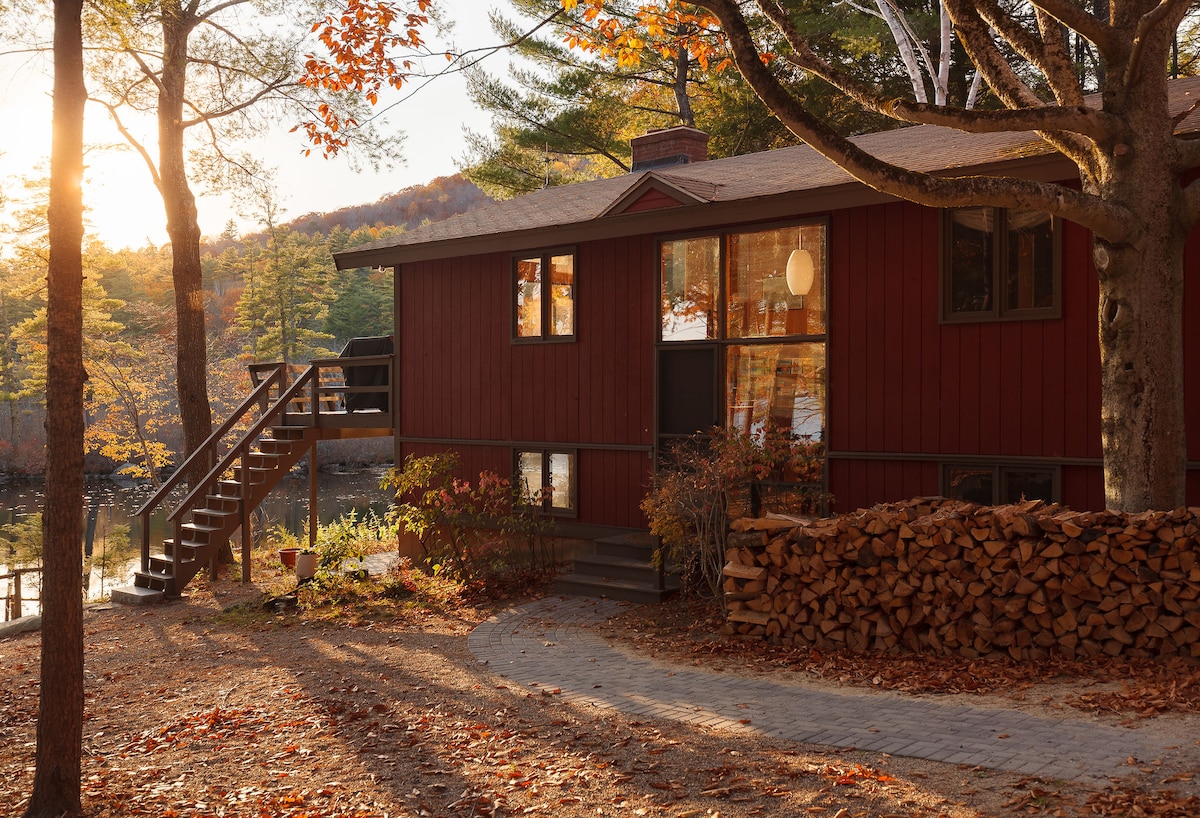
(926, 148)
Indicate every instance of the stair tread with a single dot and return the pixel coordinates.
(616, 561)
(135, 595)
(608, 582)
(170, 559)
(200, 526)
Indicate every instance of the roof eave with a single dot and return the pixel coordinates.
(1047, 167)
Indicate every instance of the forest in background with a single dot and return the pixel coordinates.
(270, 295)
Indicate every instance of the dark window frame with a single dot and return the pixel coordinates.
(999, 470)
(546, 296)
(998, 311)
(547, 508)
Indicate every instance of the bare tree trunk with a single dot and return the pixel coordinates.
(682, 100)
(184, 231)
(60, 710)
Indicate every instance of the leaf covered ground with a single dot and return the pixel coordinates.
(371, 705)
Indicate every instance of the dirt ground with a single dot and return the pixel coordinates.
(194, 712)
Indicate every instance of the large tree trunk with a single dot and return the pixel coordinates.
(1141, 365)
(1141, 316)
(184, 230)
(60, 708)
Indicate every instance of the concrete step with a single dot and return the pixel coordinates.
(623, 590)
(623, 568)
(637, 546)
(134, 595)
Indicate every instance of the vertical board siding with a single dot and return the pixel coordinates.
(1191, 341)
(902, 383)
(899, 381)
(463, 377)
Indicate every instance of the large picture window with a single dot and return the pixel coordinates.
(548, 479)
(763, 299)
(544, 297)
(776, 387)
(1000, 264)
(747, 311)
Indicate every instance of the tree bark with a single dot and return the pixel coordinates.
(183, 229)
(1143, 423)
(60, 709)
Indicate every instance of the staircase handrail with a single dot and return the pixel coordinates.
(247, 439)
(205, 447)
(203, 451)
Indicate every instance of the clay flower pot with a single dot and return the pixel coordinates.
(287, 556)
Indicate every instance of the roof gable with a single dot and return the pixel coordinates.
(653, 192)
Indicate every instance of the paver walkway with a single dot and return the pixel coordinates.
(541, 644)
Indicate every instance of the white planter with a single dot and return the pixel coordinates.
(306, 566)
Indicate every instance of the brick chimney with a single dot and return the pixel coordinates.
(665, 147)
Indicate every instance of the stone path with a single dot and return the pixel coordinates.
(541, 644)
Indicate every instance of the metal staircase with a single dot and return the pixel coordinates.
(275, 426)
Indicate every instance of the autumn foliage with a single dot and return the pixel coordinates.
(370, 45)
(665, 28)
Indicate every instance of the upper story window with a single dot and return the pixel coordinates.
(691, 282)
(544, 296)
(999, 263)
(774, 281)
(766, 284)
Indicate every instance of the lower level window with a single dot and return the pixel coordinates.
(999, 485)
(548, 479)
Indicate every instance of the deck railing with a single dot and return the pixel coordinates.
(14, 599)
(329, 393)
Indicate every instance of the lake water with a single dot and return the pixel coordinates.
(110, 503)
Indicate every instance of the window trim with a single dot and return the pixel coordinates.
(547, 508)
(998, 312)
(544, 256)
(999, 469)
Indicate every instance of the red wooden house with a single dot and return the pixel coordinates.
(568, 334)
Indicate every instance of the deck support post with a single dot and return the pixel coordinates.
(313, 517)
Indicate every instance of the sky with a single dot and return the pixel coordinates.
(124, 207)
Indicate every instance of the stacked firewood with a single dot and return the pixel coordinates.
(933, 575)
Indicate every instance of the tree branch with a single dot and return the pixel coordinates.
(976, 38)
(1165, 10)
(1079, 119)
(1076, 18)
(1057, 64)
(1103, 218)
(133, 141)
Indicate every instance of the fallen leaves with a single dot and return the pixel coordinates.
(691, 631)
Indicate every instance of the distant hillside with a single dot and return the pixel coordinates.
(442, 198)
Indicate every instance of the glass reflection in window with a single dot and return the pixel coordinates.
(777, 386)
(562, 295)
(690, 281)
(529, 298)
(760, 301)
